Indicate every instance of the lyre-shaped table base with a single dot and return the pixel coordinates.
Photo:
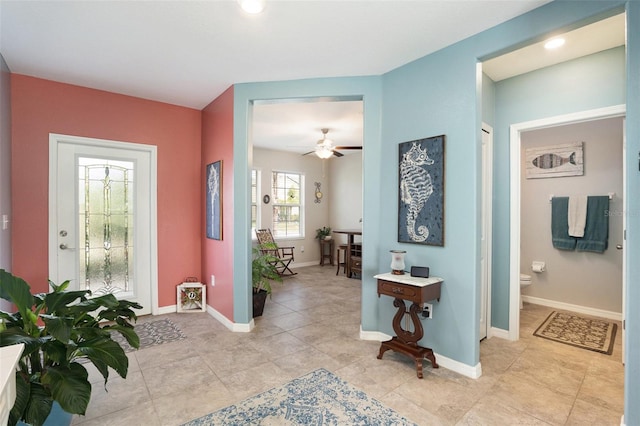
(406, 341)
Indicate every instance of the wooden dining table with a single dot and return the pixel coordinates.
(350, 233)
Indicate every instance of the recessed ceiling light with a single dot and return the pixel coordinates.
(252, 6)
(554, 43)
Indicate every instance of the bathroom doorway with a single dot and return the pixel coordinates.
(594, 298)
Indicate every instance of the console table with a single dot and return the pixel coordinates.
(418, 291)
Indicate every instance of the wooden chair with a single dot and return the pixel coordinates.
(284, 255)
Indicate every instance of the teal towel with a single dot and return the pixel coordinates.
(560, 225)
(596, 230)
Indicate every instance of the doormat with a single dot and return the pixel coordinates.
(317, 398)
(152, 333)
(597, 335)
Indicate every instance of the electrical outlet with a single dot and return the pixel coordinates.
(213, 280)
(427, 310)
(301, 249)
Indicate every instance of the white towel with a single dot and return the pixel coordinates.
(577, 215)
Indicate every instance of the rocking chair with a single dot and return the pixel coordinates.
(283, 255)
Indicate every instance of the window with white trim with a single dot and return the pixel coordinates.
(255, 201)
(287, 196)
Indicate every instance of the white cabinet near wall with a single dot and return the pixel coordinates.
(9, 357)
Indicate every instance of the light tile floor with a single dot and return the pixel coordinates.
(532, 381)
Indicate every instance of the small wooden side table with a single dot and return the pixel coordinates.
(418, 291)
(326, 251)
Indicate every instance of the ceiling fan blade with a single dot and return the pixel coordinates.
(338, 154)
(310, 152)
(347, 147)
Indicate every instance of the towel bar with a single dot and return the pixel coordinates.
(610, 194)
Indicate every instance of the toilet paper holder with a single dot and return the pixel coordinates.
(538, 266)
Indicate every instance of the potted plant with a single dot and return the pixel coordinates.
(61, 330)
(263, 271)
(323, 233)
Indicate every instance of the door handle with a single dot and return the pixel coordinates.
(63, 246)
(619, 246)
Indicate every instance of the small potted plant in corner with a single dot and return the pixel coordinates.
(323, 233)
(263, 271)
(60, 330)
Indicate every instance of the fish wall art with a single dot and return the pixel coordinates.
(554, 161)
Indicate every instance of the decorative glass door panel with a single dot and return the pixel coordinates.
(105, 219)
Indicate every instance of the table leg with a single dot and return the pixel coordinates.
(350, 240)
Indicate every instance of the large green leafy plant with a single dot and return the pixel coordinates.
(263, 269)
(61, 330)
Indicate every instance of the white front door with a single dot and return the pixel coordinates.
(102, 233)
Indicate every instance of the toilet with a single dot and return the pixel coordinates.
(525, 280)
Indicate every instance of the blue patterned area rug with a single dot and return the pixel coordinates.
(593, 334)
(318, 398)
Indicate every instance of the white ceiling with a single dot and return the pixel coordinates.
(599, 36)
(295, 126)
(188, 52)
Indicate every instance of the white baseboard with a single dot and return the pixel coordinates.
(616, 316)
(498, 332)
(233, 326)
(443, 361)
(472, 372)
(166, 310)
(376, 336)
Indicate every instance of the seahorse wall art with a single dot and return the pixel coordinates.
(421, 187)
(213, 201)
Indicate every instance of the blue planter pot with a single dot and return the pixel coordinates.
(57, 417)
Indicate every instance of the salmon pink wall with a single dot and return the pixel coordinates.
(40, 107)
(217, 256)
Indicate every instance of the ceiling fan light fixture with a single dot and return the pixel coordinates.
(324, 147)
(324, 152)
(252, 6)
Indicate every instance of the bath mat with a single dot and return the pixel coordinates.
(152, 333)
(317, 398)
(591, 334)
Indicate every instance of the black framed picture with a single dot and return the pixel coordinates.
(214, 200)
(421, 192)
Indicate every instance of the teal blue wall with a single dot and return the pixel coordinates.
(442, 94)
(590, 82)
(433, 96)
(632, 245)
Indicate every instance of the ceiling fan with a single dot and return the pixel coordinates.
(325, 149)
